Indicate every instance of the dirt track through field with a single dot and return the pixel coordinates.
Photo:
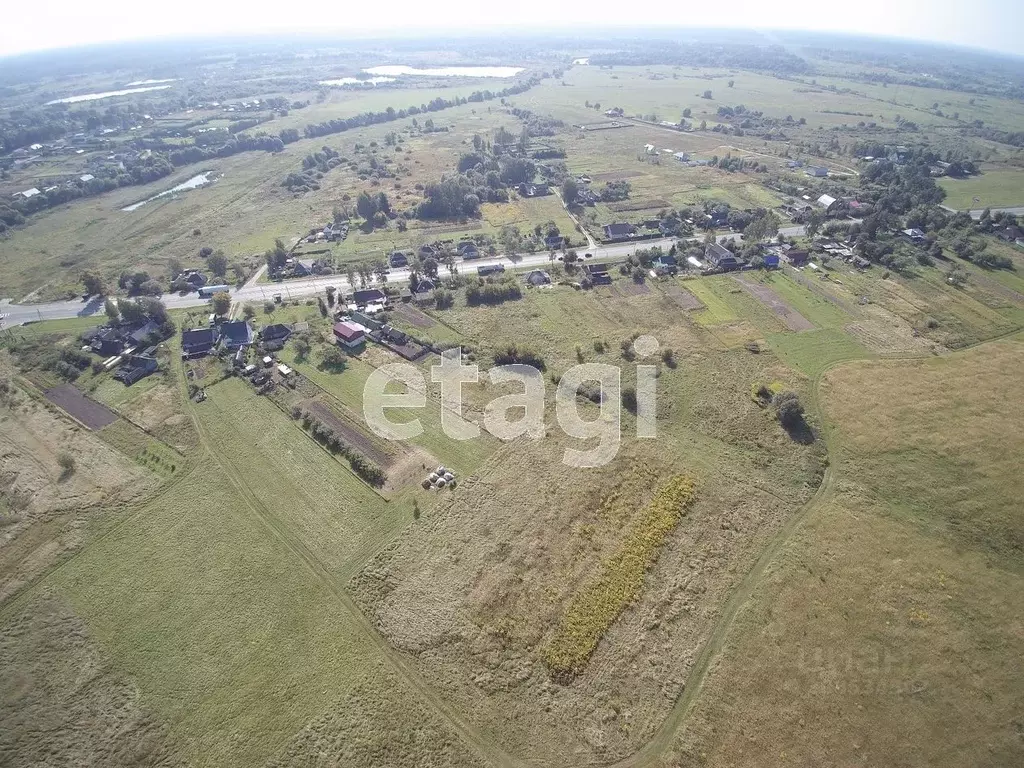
(792, 319)
(84, 409)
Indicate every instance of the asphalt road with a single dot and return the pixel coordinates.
(19, 314)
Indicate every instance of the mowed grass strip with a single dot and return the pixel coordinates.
(599, 604)
(813, 351)
(716, 311)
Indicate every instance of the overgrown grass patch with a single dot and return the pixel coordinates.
(598, 604)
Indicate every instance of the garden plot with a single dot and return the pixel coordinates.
(84, 409)
(683, 298)
(349, 433)
(414, 316)
(792, 319)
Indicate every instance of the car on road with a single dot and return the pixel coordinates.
(588, 255)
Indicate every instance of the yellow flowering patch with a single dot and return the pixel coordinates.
(597, 605)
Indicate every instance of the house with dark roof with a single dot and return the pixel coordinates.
(143, 334)
(665, 264)
(716, 219)
(720, 257)
(424, 285)
(619, 231)
(771, 261)
(394, 335)
(538, 277)
(816, 170)
(303, 267)
(135, 368)
(198, 341)
(1011, 234)
(797, 258)
(554, 242)
(598, 274)
(276, 332)
(398, 260)
(107, 342)
(194, 278)
(467, 249)
(913, 234)
(369, 296)
(236, 333)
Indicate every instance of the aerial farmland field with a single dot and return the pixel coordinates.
(710, 376)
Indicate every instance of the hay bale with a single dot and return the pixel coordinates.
(442, 483)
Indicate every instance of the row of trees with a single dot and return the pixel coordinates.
(339, 125)
(331, 439)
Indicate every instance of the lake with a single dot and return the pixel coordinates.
(105, 94)
(399, 70)
(357, 81)
(195, 181)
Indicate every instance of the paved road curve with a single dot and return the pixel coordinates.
(19, 314)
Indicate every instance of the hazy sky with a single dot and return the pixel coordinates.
(38, 24)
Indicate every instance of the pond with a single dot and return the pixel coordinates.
(105, 94)
(399, 70)
(195, 181)
(357, 81)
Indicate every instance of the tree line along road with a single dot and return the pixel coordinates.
(19, 314)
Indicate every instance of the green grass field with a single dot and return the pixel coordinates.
(994, 188)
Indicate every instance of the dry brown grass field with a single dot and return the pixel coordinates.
(888, 630)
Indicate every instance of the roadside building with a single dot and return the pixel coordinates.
(665, 265)
(721, 258)
(198, 341)
(349, 335)
(619, 231)
(236, 333)
(554, 242)
(369, 296)
(797, 258)
(278, 332)
(538, 277)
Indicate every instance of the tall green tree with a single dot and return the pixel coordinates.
(218, 263)
(221, 303)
